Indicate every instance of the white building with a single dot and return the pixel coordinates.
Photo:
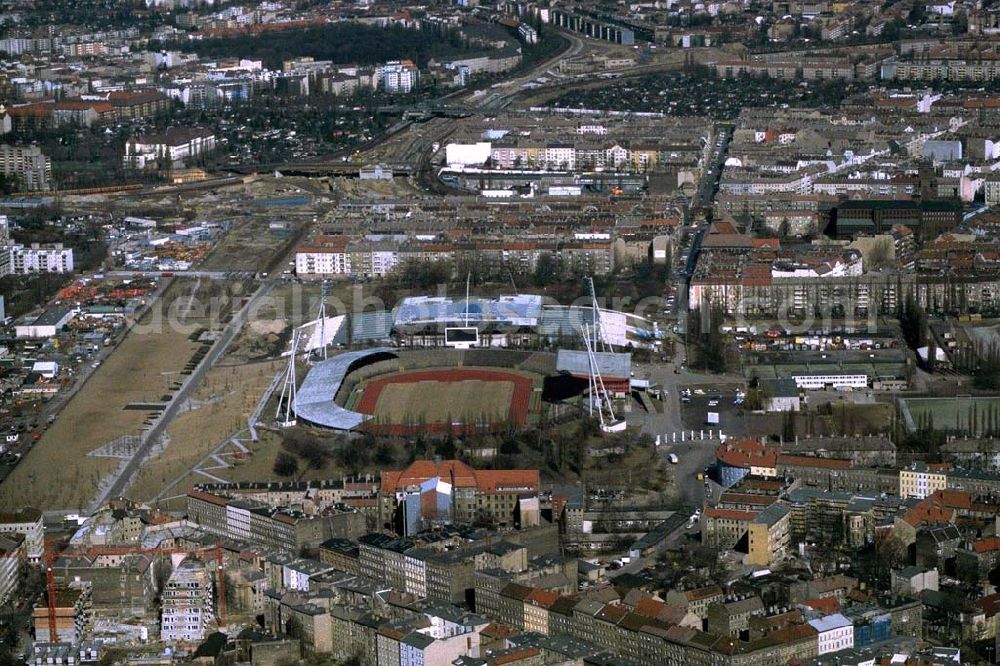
(993, 190)
(45, 325)
(172, 147)
(837, 380)
(28, 522)
(921, 480)
(21, 260)
(11, 561)
(835, 633)
(468, 154)
(329, 256)
(780, 395)
(397, 76)
(187, 603)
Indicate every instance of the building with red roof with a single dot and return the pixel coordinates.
(449, 491)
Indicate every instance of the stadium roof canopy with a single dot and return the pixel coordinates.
(314, 399)
(516, 310)
(610, 364)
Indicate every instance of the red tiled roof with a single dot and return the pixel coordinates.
(986, 545)
(83, 105)
(208, 497)
(34, 109)
(649, 607)
(928, 513)
(507, 480)
(494, 630)
(462, 476)
(990, 603)
(796, 633)
(828, 605)
(543, 598)
(746, 453)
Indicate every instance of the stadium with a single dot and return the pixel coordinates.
(390, 391)
(459, 366)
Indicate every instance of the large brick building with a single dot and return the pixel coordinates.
(450, 491)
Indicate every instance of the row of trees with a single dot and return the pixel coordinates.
(303, 450)
(342, 43)
(707, 348)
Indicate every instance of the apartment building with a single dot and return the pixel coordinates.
(695, 601)
(732, 615)
(27, 522)
(170, 148)
(20, 260)
(769, 535)
(397, 76)
(138, 104)
(639, 635)
(442, 571)
(451, 491)
(921, 480)
(260, 524)
(122, 587)
(834, 633)
(327, 255)
(873, 216)
(723, 528)
(188, 605)
(28, 165)
(12, 565)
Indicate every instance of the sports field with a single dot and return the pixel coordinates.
(453, 401)
(444, 398)
(960, 414)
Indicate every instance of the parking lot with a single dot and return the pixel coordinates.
(716, 398)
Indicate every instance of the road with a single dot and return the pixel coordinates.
(693, 457)
(152, 436)
(715, 160)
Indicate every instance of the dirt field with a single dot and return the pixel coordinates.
(146, 367)
(437, 398)
(453, 401)
(220, 408)
(252, 246)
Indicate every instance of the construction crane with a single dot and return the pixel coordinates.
(53, 553)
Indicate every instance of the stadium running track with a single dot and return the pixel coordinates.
(517, 414)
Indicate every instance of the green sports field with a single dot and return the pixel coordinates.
(961, 414)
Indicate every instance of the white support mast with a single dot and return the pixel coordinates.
(285, 413)
(598, 392)
(468, 277)
(324, 287)
(598, 342)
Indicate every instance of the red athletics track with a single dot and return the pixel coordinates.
(518, 414)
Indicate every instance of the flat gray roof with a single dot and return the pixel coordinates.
(314, 399)
(610, 364)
